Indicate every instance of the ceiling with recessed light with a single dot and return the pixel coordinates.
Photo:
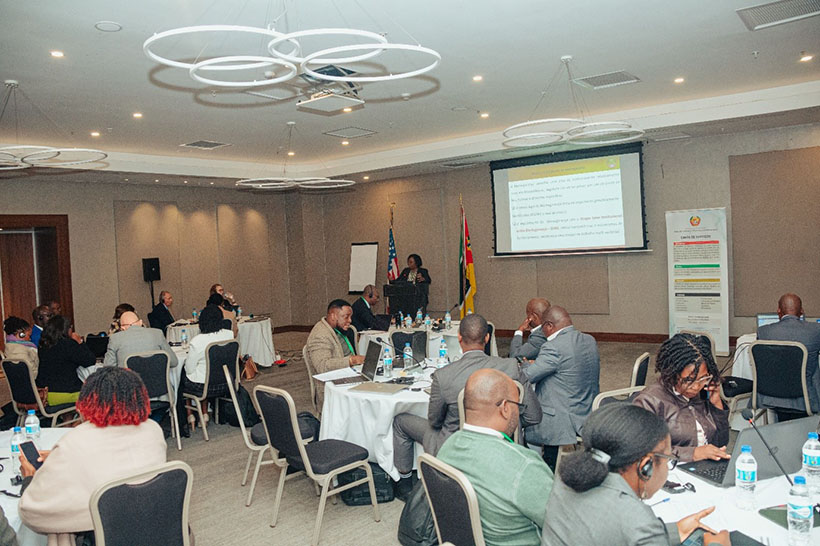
(497, 59)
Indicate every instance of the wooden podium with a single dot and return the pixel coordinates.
(402, 296)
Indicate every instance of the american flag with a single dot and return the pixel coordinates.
(392, 259)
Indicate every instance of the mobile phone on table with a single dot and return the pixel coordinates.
(30, 452)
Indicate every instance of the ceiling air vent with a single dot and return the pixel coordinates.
(204, 145)
(777, 13)
(350, 132)
(611, 79)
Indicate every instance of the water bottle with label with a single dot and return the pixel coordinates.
(408, 356)
(16, 439)
(799, 513)
(811, 465)
(195, 314)
(184, 338)
(745, 479)
(448, 320)
(238, 311)
(388, 363)
(428, 322)
(32, 425)
(442, 353)
(408, 321)
(419, 317)
(401, 318)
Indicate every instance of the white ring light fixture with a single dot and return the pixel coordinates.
(533, 139)
(610, 135)
(548, 126)
(250, 59)
(328, 184)
(319, 58)
(16, 153)
(41, 162)
(292, 36)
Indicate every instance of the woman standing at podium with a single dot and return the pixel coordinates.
(414, 273)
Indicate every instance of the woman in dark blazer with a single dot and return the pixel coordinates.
(416, 274)
(61, 352)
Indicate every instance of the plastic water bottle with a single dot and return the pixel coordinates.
(448, 320)
(408, 321)
(238, 310)
(184, 338)
(16, 439)
(32, 425)
(419, 317)
(401, 318)
(745, 478)
(811, 465)
(428, 323)
(799, 513)
(388, 363)
(408, 356)
(442, 353)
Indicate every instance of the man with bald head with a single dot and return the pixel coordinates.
(532, 324)
(791, 328)
(442, 411)
(511, 482)
(133, 338)
(565, 375)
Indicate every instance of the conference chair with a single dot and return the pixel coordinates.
(98, 343)
(149, 508)
(353, 335)
(217, 354)
(627, 394)
(639, 371)
(154, 368)
(311, 371)
(491, 347)
(462, 415)
(25, 396)
(453, 502)
(779, 370)
(321, 461)
(416, 339)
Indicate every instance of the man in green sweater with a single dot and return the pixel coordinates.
(512, 482)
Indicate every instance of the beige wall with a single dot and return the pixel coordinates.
(289, 254)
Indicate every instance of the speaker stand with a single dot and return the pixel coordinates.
(151, 286)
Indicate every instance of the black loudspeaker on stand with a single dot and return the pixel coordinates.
(150, 273)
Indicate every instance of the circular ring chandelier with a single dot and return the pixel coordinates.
(609, 135)
(533, 139)
(548, 126)
(292, 36)
(318, 58)
(95, 156)
(268, 61)
(327, 184)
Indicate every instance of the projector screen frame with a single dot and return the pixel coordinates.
(571, 155)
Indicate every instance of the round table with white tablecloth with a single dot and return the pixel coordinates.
(25, 536)
(255, 337)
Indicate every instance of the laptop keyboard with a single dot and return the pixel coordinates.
(713, 471)
(348, 380)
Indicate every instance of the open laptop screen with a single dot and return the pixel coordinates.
(766, 318)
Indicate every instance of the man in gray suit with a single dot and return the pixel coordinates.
(442, 413)
(791, 328)
(565, 375)
(536, 307)
(133, 339)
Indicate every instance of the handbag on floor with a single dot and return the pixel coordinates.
(249, 369)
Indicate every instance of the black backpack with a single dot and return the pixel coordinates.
(249, 415)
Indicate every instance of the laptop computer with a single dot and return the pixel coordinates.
(766, 318)
(786, 439)
(368, 371)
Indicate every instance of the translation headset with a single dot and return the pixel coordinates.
(645, 471)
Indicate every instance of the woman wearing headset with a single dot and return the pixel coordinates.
(599, 496)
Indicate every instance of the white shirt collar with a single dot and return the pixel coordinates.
(554, 334)
(482, 430)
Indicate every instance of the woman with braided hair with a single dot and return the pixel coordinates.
(687, 397)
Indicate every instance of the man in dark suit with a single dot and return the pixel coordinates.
(536, 307)
(442, 412)
(791, 328)
(363, 317)
(565, 375)
(133, 339)
(160, 317)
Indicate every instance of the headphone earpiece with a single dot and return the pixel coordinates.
(645, 471)
(21, 335)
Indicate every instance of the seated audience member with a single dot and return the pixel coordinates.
(363, 316)
(193, 379)
(228, 315)
(216, 289)
(565, 376)
(133, 339)
(328, 348)
(114, 327)
(511, 482)
(699, 427)
(40, 316)
(54, 308)
(18, 343)
(160, 317)
(536, 307)
(61, 352)
(791, 328)
(442, 412)
(115, 439)
(598, 496)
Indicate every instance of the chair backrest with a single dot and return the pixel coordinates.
(236, 409)
(618, 395)
(488, 347)
(639, 371)
(310, 370)
(281, 426)
(149, 508)
(21, 383)
(218, 354)
(461, 416)
(97, 343)
(353, 335)
(152, 367)
(453, 502)
(779, 370)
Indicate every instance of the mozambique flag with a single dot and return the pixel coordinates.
(467, 270)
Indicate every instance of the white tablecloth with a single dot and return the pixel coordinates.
(366, 419)
(25, 536)
(255, 338)
(768, 493)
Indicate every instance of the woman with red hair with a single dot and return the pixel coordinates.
(116, 439)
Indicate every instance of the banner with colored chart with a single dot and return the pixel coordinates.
(698, 274)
